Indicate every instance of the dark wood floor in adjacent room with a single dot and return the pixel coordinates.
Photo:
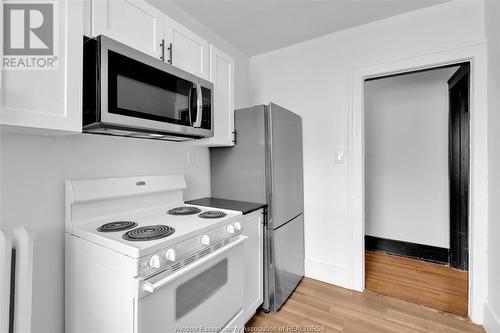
(318, 305)
(434, 285)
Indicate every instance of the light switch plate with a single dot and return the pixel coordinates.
(189, 157)
(339, 157)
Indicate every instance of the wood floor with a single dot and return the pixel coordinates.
(434, 285)
(320, 307)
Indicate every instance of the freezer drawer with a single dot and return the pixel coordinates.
(288, 260)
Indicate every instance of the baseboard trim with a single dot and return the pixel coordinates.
(491, 320)
(411, 250)
(329, 273)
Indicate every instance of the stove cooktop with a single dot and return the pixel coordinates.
(151, 230)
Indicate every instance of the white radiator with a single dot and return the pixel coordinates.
(16, 280)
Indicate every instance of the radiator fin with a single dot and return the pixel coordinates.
(22, 242)
(16, 280)
(5, 276)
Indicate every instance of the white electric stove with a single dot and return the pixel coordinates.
(140, 260)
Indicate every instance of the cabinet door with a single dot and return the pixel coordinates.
(222, 76)
(135, 23)
(189, 51)
(49, 101)
(254, 264)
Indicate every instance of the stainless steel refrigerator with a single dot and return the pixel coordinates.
(265, 165)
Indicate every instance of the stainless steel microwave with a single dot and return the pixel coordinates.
(129, 93)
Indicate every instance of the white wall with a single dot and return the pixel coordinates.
(492, 309)
(406, 158)
(33, 170)
(313, 79)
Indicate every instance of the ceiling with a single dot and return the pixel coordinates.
(256, 27)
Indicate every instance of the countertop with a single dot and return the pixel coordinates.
(242, 206)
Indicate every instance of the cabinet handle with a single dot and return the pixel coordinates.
(170, 50)
(162, 45)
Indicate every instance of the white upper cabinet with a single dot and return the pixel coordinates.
(145, 28)
(135, 23)
(186, 50)
(222, 76)
(48, 101)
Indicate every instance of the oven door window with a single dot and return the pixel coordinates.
(195, 291)
(141, 91)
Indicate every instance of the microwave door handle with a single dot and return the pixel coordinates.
(158, 281)
(189, 106)
(199, 106)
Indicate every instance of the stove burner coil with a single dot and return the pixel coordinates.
(117, 226)
(212, 214)
(186, 210)
(150, 232)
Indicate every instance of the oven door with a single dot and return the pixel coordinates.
(205, 294)
(140, 91)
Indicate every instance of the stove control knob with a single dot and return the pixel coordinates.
(205, 240)
(237, 226)
(170, 255)
(230, 229)
(154, 261)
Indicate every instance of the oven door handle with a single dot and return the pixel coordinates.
(160, 280)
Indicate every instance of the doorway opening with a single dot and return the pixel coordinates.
(417, 178)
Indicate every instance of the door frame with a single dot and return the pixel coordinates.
(459, 227)
(478, 205)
